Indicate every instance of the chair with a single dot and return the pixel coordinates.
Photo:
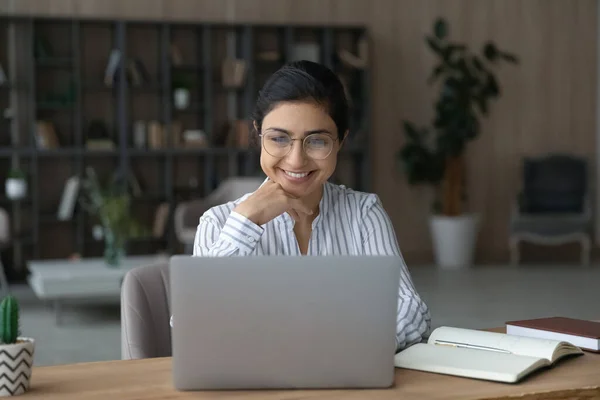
(554, 206)
(145, 313)
(187, 214)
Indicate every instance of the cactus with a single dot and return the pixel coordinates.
(9, 320)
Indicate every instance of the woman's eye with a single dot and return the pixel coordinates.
(315, 142)
(279, 139)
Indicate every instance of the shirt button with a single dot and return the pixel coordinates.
(251, 239)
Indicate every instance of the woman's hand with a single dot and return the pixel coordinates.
(270, 201)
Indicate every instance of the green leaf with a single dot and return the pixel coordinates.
(490, 52)
(482, 103)
(440, 28)
(492, 87)
(411, 131)
(435, 46)
(477, 63)
(510, 58)
(437, 71)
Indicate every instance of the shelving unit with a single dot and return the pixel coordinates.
(56, 72)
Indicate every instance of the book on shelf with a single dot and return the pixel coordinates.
(582, 333)
(483, 355)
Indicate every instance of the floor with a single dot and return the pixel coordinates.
(473, 298)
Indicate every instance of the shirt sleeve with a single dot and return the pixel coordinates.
(413, 319)
(237, 237)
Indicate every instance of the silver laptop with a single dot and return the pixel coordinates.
(282, 322)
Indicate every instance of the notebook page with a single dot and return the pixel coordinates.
(501, 367)
(533, 347)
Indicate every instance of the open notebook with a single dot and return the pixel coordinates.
(483, 355)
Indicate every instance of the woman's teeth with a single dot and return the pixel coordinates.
(296, 175)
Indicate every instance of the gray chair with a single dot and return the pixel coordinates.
(145, 313)
(554, 206)
(187, 214)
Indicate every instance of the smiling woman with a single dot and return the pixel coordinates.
(301, 119)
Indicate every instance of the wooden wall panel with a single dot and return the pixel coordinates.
(549, 100)
(133, 9)
(39, 7)
(196, 10)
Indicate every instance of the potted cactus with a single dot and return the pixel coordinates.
(16, 352)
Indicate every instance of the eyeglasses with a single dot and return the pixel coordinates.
(317, 146)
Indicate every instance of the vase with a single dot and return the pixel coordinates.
(454, 240)
(181, 98)
(16, 188)
(16, 362)
(114, 248)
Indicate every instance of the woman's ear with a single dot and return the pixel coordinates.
(255, 125)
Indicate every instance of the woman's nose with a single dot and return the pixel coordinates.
(296, 157)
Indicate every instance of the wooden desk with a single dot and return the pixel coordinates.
(151, 379)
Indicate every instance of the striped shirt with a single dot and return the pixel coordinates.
(348, 223)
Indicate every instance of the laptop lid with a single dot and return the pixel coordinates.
(264, 322)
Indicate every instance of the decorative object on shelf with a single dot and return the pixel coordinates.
(233, 73)
(68, 199)
(139, 134)
(268, 56)
(359, 61)
(195, 138)
(98, 137)
(239, 134)
(16, 352)
(156, 135)
(437, 158)
(181, 85)
(111, 205)
(46, 136)
(310, 51)
(16, 184)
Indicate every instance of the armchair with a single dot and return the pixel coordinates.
(187, 214)
(554, 206)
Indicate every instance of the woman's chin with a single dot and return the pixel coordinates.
(299, 189)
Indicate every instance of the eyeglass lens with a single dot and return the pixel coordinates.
(316, 145)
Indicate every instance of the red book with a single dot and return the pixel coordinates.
(581, 333)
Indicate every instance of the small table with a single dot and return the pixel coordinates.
(84, 279)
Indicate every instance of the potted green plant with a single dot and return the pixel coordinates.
(16, 184)
(16, 352)
(435, 156)
(111, 204)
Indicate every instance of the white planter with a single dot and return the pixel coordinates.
(181, 98)
(454, 240)
(15, 188)
(16, 362)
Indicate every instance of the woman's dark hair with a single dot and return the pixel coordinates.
(304, 81)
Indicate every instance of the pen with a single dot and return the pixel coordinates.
(469, 346)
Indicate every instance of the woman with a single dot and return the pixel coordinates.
(301, 118)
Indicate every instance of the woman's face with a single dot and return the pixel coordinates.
(298, 173)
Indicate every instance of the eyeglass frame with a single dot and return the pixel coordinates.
(303, 149)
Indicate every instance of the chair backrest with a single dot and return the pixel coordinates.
(187, 215)
(146, 313)
(555, 183)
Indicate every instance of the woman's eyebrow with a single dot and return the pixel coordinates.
(305, 133)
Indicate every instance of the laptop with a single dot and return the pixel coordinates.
(283, 322)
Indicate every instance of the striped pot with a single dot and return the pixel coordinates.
(16, 361)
